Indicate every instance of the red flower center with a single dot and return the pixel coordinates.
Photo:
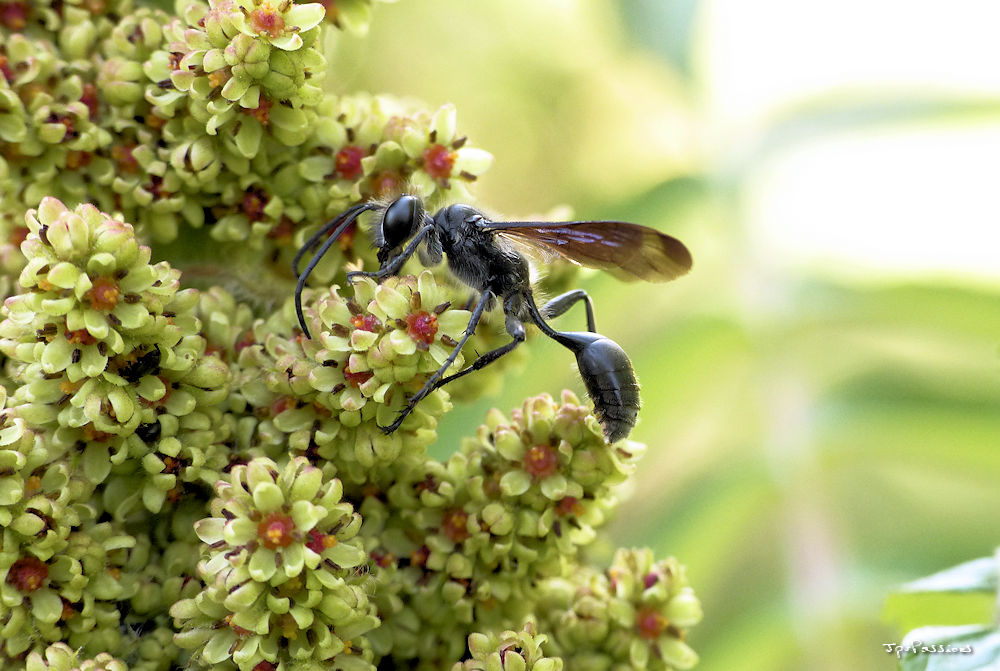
(32, 484)
(422, 327)
(124, 159)
(383, 559)
(348, 162)
(18, 235)
(253, 204)
(419, 556)
(366, 322)
(244, 342)
(439, 161)
(27, 574)
(276, 531)
(89, 98)
(14, 15)
(569, 505)
(8, 74)
(331, 10)
(649, 623)
(267, 20)
(80, 337)
(359, 378)
(454, 525)
(387, 183)
(103, 295)
(78, 159)
(541, 461)
(319, 541)
(156, 187)
(262, 112)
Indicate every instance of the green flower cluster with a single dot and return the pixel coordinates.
(61, 657)
(326, 397)
(633, 616)
(107, 351)
(464, 542)
(214, 119)
(42, 498)
(508, 651)
(189, 481)
(72, 596)
(280, 585)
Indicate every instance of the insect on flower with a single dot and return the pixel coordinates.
(489, 257)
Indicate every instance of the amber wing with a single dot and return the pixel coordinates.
(628, 251)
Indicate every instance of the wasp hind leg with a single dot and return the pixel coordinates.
(516, 330)
(563, 302)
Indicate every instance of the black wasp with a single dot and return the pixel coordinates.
(485, 255)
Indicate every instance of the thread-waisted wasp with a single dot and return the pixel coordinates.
(485, 255)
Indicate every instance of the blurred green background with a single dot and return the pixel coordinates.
(821, 394)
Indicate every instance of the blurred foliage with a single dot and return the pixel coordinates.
(963, 594)
(814, 442)
(951, 618)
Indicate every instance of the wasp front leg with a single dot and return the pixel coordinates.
(394, 265)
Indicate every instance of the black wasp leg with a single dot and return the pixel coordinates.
(392, 266)
(431, 383)
(560, 304)
(516, 330)
(340, 222)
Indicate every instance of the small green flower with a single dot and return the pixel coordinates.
(422, 152)
(279, 23)
(137, 35)
(151, 647)
(42, 497)
(56, 18)
(225, 323)
(61, 657)
(509, 650)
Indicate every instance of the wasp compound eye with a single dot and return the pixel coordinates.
(401, 220)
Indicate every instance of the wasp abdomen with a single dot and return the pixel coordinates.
(607, 373)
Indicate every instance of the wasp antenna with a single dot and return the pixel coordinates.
(340, 222)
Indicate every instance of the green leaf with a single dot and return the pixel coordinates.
(978, 575)
(948, 649)
(961, 595)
